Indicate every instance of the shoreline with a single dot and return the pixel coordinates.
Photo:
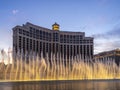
(56, 81)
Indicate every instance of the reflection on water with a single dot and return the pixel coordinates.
(63, 85)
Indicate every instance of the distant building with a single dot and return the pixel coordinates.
(111, 55)
(30, 37)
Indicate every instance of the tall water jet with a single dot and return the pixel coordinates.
(29, 67)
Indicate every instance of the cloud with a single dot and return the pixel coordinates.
(15, 12)
(115, 33)
(107, 41)
(106, 45)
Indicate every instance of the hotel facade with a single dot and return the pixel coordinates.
(34, 38)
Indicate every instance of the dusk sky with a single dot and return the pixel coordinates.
(97, 18)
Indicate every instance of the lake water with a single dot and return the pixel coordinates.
(62, 85)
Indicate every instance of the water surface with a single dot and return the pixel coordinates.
(62, 85)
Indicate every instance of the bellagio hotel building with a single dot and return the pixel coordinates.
(34, 38)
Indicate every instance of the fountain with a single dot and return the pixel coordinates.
(34, 68)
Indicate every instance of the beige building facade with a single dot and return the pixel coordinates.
(34, 38)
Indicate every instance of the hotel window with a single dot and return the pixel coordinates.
(37, 34)
(40, 46)
(41, 34)
(23, 44)
(61, 38)
(80, 36)
(30, 43)
(37, 31)
(67, 40)
(77, 49)
(33, 45)
(27, 33)
(70, 38)
(20, 31)
(57, 47)
(34, 31)
(49, 36)
(91, 41)
(47, 47)
(71, 50)
(67, 51)
(61, 49)
(23, 32)
(34, 35)
(64, 36)
(20, 42)
(64, 51)
(37, 46)
(55, 37)
(64, 39)
(30, 28)
(27, 44)
(30, 34)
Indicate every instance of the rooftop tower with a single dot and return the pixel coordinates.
(55, 26)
